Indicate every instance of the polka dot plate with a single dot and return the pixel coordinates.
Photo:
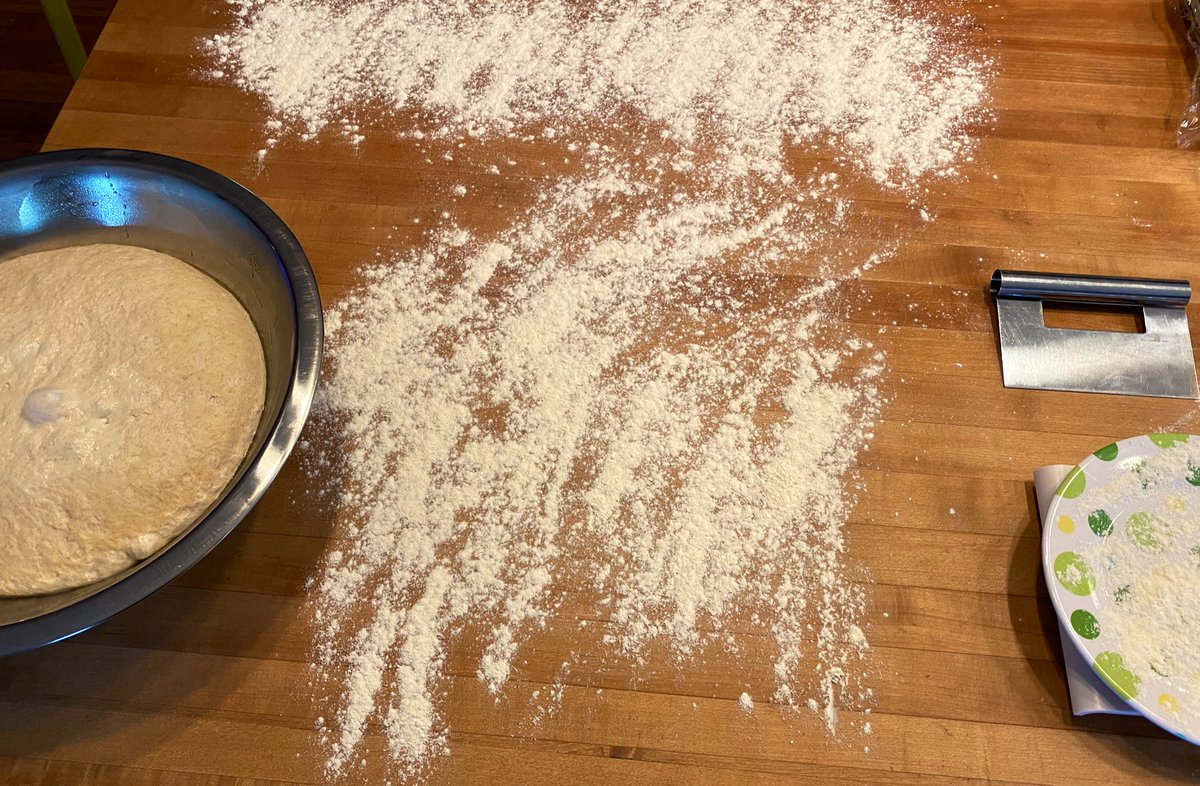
(1086, 525)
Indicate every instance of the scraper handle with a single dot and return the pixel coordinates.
(1091, 289)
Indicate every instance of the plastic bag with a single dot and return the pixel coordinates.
(1188, 132)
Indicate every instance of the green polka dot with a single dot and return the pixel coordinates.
(1193, 474)
(1139, 470)
(1111, 666)
(1072, 485)
(1148, 531)
(1167, 440)
(1085, 623)
(1100, 522)
(1107, 453)
(1073, 573)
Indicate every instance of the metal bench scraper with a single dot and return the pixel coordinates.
(1157, 362)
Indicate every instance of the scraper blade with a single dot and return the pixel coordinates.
(1158, 362)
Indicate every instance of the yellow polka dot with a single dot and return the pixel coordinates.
(1168, 702)
(1176, 503)
(1066, 524)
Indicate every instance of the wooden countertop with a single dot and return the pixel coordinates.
(206, 681)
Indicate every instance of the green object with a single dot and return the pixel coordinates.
(62, 24)
(1100, 522)
(1193, 474)
(1108, 452)
(1139, 470)
(1073, 573)
(1167, 440)
(1111, 666)
(1085, 623)
(1147, 531)
(1073, 484)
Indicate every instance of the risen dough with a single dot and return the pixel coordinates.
(131, 385)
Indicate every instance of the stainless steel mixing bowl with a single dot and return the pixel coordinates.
(76, 197)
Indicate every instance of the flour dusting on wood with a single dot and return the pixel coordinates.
(627, 403)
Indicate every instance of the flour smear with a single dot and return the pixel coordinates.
(633, 409)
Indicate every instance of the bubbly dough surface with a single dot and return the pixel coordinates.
(131, 385)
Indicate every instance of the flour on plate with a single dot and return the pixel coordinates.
(1145, 565)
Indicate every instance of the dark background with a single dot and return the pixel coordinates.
(34, 80)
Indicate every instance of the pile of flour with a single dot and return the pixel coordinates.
(635, 402)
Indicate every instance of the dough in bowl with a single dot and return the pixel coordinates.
(131, 386)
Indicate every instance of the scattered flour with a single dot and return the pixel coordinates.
(501, 446)
(745, 77)
(746, 702)
(635, 401)
(1157, 474)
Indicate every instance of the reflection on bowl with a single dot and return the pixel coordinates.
(77, 197)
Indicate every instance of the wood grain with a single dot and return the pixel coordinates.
(208, 682)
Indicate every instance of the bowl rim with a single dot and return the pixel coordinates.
(281, 437)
